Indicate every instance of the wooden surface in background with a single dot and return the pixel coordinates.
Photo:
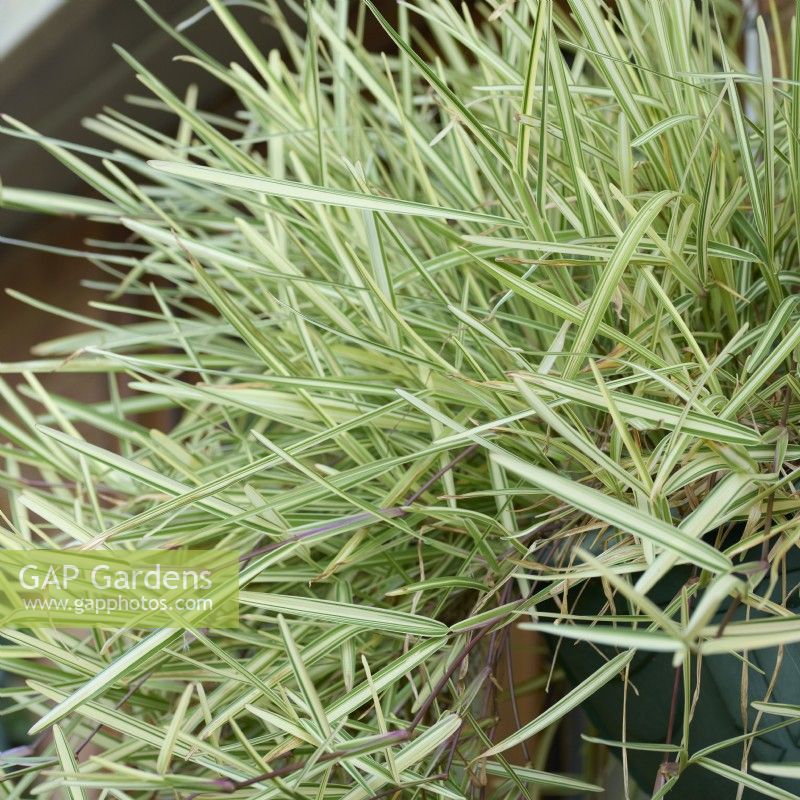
(56, 280)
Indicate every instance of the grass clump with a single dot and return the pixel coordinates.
(446, 331)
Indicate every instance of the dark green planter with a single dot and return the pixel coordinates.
(717, 714)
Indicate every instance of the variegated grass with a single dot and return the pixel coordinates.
(522, 288)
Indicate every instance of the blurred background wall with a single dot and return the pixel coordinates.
(57, 66)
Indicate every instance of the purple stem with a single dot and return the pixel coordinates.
(229, 786)
(364, 516)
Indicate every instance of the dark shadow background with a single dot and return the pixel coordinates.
(63, 72)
